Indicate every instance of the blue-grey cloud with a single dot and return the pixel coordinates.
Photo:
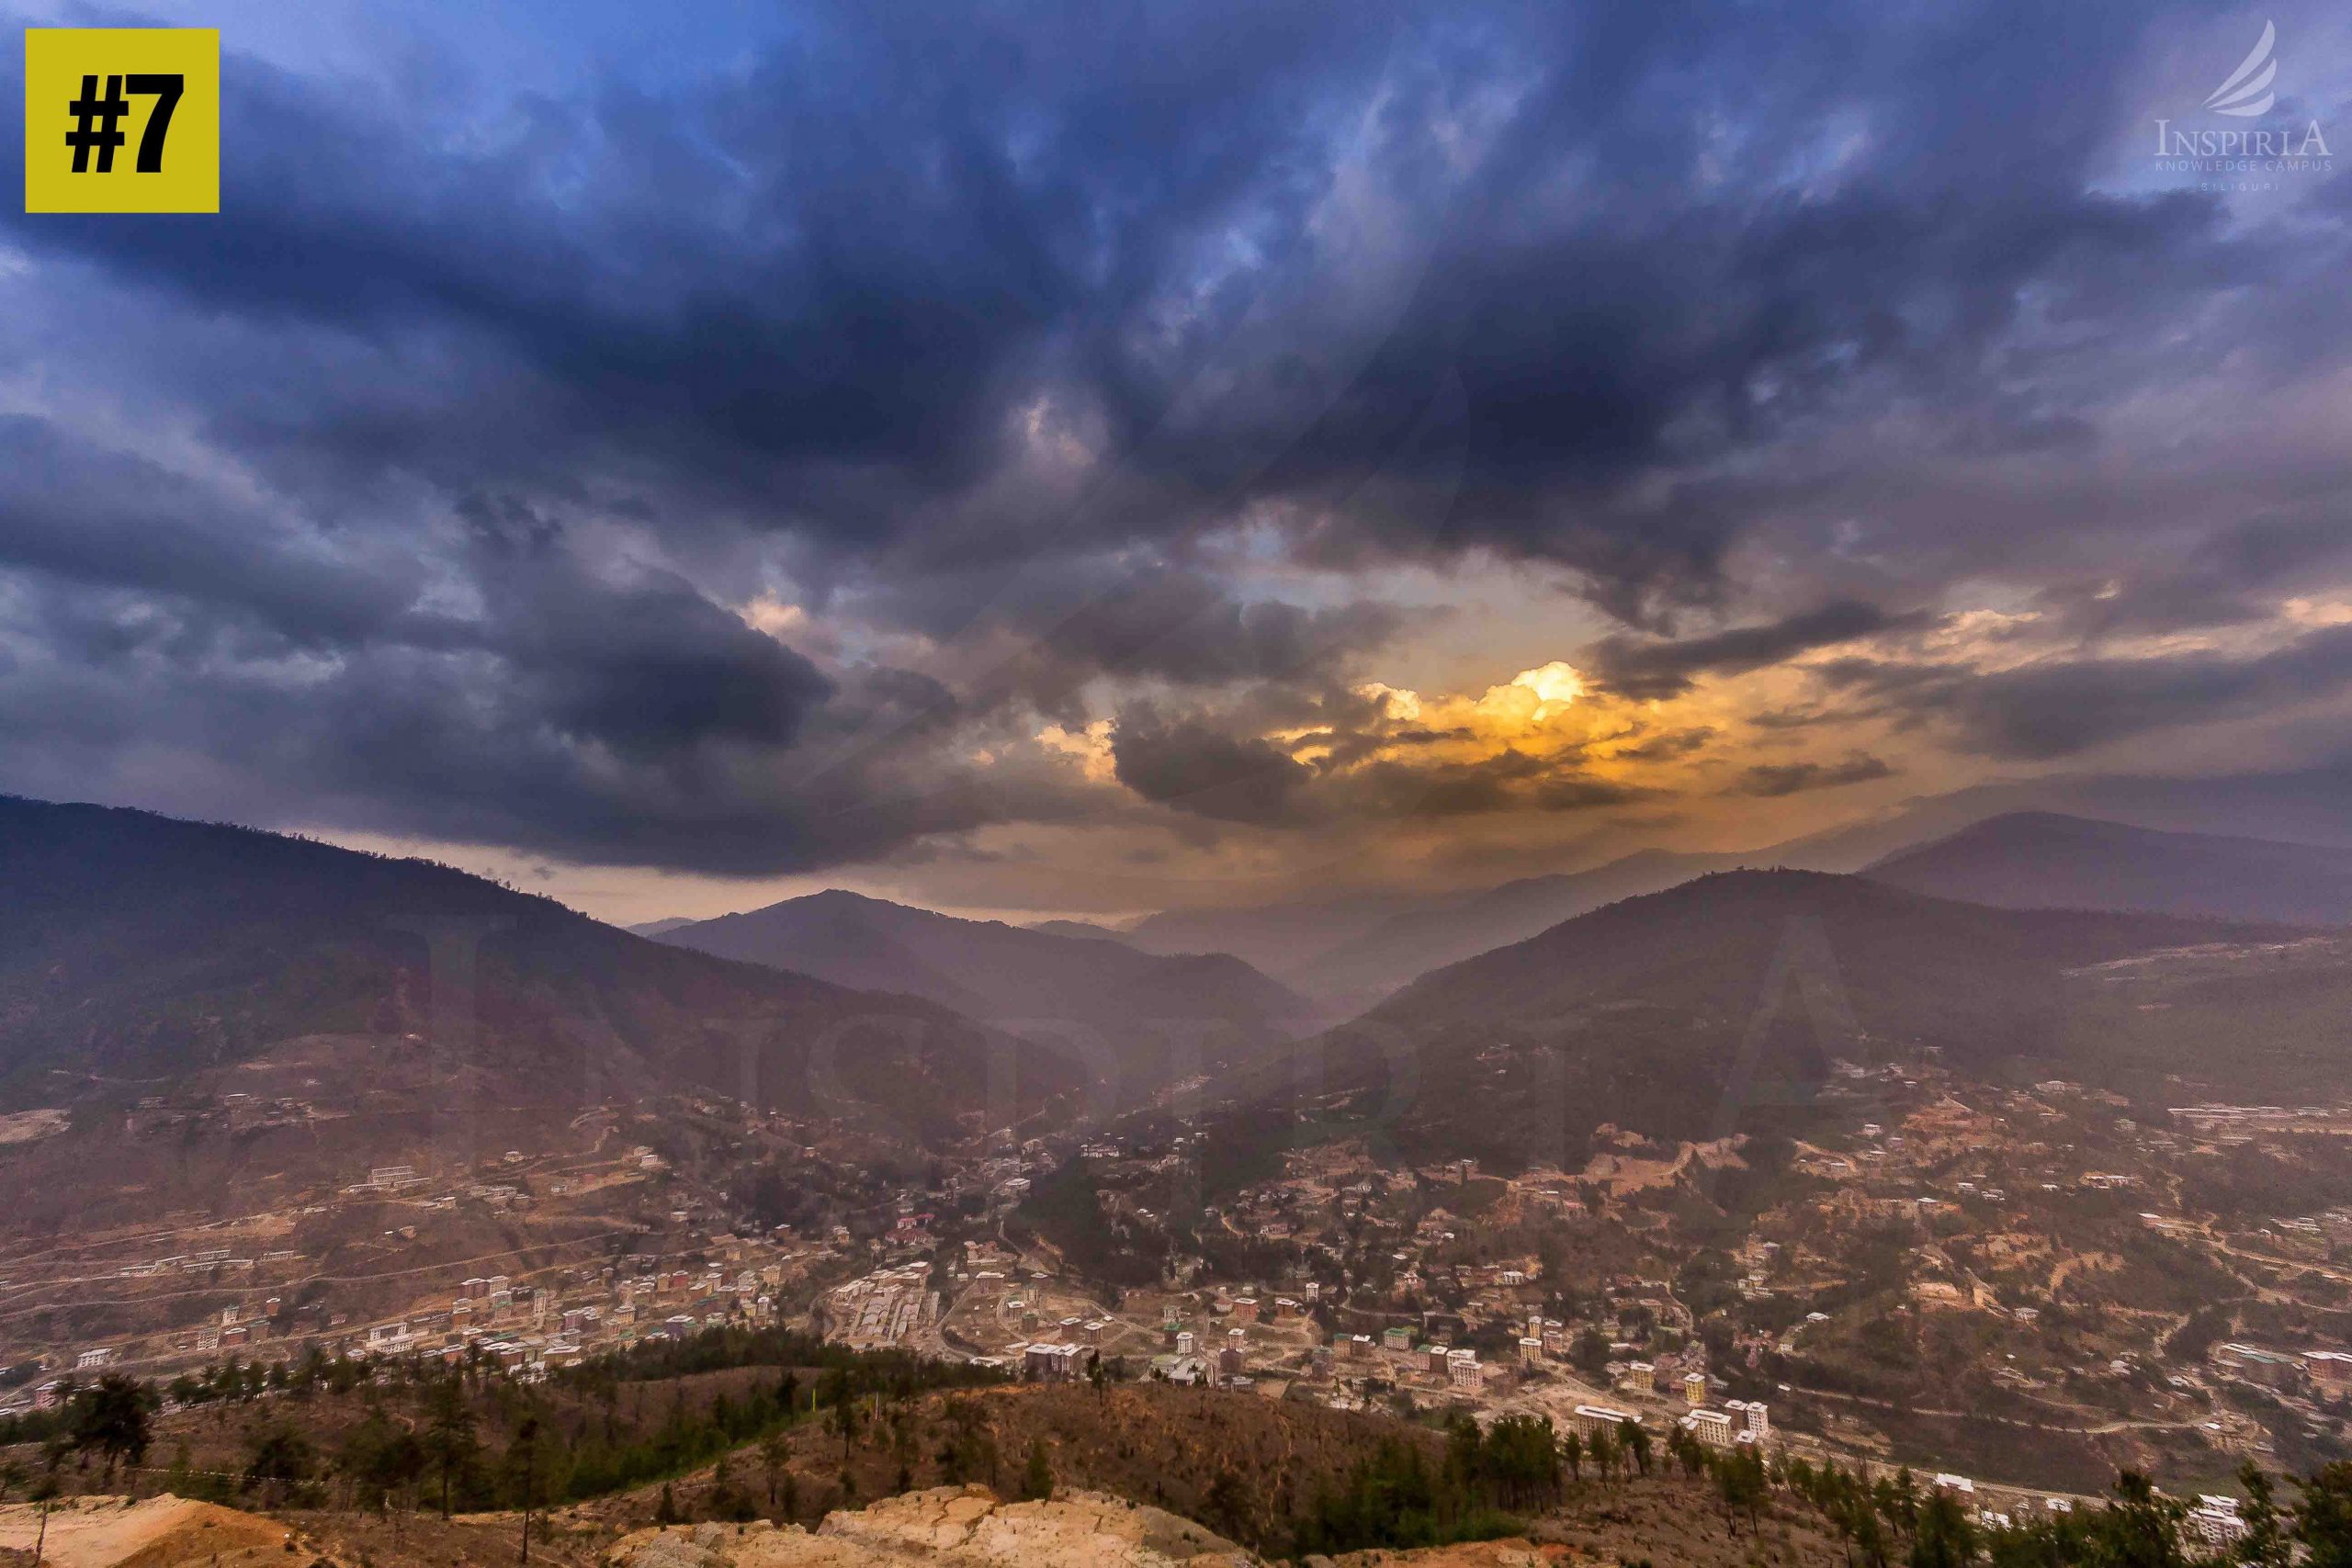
(1771, 779)
(419, 484)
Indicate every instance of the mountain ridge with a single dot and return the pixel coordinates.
(135, 945)
(1292, 940)
(1725, 999)
(1359, 973)
(1138, 1015)
(2057, 860)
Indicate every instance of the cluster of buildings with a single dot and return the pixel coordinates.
(1209, 1358)
(528, 1327)
(882, 1309)
(2220, 1120)
(2286, 1369)
(1405, 1357)
(1739, 1422)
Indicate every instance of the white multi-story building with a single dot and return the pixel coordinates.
(2215, 1521)
(1712, 1428)
(1590, 1420)
(1054, 1362)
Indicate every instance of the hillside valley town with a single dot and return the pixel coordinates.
(1235, 783)
(2005, 1290)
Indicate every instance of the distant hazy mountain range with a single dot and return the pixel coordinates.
(1280, 938)
(137, 950)
(1152, 1012)
(2043, 860)
(1084, 930)
(1722, 1000)
(1347, 955)
(659, 928)
(1358, 973)
(140, 950)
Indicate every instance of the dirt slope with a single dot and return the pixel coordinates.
(159, 1532)
(948, 1528)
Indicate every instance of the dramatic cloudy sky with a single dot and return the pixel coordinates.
(1068, 457)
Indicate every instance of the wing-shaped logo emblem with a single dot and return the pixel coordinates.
(2248, 91)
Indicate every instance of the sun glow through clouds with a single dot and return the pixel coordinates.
(1554, 683)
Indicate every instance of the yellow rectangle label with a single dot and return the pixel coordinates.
(122, 119)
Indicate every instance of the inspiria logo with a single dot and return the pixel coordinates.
(2248, 91)
(2242, 157)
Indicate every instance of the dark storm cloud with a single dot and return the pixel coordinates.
(1185, 628)
(2230, 577)
(1656, 669)
(440, 456)
(1192, 766)
(641, 666)
(1398, 790)
(160, 642)
(1774, 779)
(1134, 614)
(99, 518)
(479, 740)
(2274, 550)
(814, 294)
(2055, 709)
(1571, 792)
(1213, 766)
(648, 668)
(821, 296)
(2061, 705)
(1666, 745)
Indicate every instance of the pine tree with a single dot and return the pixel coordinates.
(775, 1454)
(1635, 1441)
(1038, 1478)
(1944, 1536)
(449, 1441)
(2323, 1516)
(112, 1416)
(2265, 1544)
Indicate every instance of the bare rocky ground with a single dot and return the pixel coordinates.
(1164, 1447)
(948, 1526)
(969, 1527)
(155, 1532)
(1135, 1470)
